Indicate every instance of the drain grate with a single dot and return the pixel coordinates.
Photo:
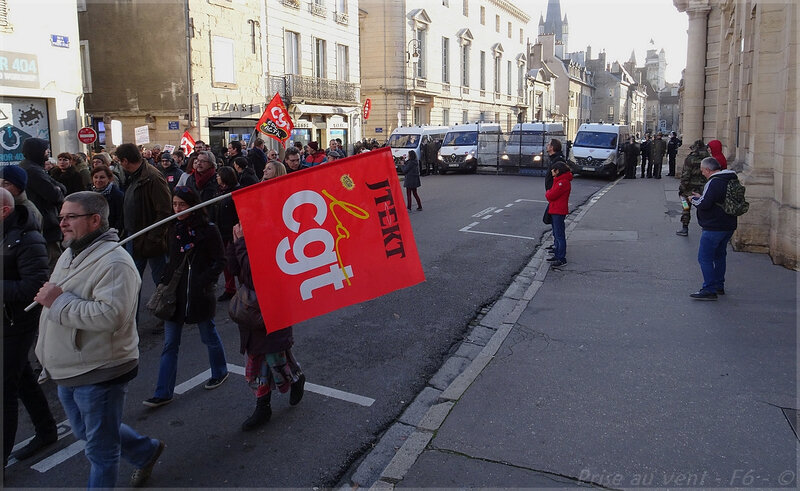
(791, 417)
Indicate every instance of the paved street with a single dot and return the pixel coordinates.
(365, 364)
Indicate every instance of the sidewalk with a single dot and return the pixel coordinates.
(605, 372)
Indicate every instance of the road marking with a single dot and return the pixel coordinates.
(483, 212)
(465, 229)
(45, 465)
(318, 389)
(339, 394)
(63, 428)
(531, 200)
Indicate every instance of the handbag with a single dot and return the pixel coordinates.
(547, 218)
(243, 307)
(164, 300)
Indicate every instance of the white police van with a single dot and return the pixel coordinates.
(527, 143)
(597, 149)
(413, 138)
(464, 144)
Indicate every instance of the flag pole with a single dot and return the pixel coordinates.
(141, 232)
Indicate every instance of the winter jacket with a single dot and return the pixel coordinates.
(411, 171)
(92, 325)
(548, 178)
(672, 146)
(171, 174)
(226, 216)
(253, 338)
(115, 199)
(47, 194)
(715, 146)
(25, 269)
(196, 300)
(710, 214)
(316, 158)
(258, 160)
(248, 177)
(70, 178)
(558, 195)
(658, 148)
(147, 200)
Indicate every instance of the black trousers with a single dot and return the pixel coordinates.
(19, 382)
(671, 165)
(644, 165)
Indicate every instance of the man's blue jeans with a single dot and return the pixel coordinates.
(95, 414)
(711, 255)
(559, 237)
(168, 369)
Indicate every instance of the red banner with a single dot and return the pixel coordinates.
(187, 143)
(275, 122)
(327, 237)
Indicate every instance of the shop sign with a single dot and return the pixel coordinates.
(227, 108)
(19, 69)
(338, 125)
(303, 124)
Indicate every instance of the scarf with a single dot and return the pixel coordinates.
(105, 191)
(202, 178)
(78, 245)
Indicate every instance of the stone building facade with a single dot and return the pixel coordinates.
(443, 63)
(740, 87)
(41, 90)
(212, 66)
(617, 97)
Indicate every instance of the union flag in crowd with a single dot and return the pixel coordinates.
(276, 122)
(187, 143)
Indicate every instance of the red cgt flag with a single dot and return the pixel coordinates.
(275, 122)
(187, 143)
(327, 237)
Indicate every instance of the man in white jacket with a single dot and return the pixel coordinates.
(88, 343)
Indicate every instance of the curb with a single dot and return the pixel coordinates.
(387, 465)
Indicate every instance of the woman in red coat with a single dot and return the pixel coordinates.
(558, 200)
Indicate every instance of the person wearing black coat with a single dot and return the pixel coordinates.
(247, 175)
(631, 152)
(226, 219)
(195, 249)
(44, 192)
(645, 151)
(270, 361)
(67, 174)
(412, 181)
(25, 270)
(170, 170)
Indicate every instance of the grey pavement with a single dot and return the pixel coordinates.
(605, 373)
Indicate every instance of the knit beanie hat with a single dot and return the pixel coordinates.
(187, 194)
(15, 175)
(33, 149)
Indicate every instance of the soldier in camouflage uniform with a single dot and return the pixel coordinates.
(692, 180)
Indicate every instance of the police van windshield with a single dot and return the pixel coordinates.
(527, 138)
(460, 138)
(595, 139)
(403, 141)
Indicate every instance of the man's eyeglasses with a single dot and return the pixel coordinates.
(72, 217)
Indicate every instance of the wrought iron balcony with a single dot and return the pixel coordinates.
(291, 3)
(341, 18)
(298, 88)
(318, 9)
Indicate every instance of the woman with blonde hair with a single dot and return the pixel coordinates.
(274, 169)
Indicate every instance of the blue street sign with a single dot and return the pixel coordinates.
(59, 40)
(173, 125)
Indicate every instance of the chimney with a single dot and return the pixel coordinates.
(536, 55)
(588, 53)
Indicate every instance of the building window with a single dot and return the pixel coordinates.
(445, 61)
(417, 115)
(445, 117)
(610, 113)
(465, 116)
(341, 6)
(483, 70)
(520, 80)
(421, 45)
(320, 61)
(483, 16)
(465, 8)
(342, 63)
(446, 3)
(223, 66)
(497, 23)
(510, 78)
(292, 44)
(510, 30)
(521, 37)
(86, 67)
(497, 61)
(482, 116)
(496, 117)
(465, 65)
